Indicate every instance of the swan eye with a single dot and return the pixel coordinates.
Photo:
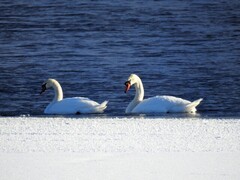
(127, 86)
(44, 87)
(127, 82)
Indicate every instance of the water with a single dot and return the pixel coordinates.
(189, 49)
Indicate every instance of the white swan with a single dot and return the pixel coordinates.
(157, 104)
(75, 105)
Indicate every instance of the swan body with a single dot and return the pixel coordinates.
(75, 105)
(157, 104)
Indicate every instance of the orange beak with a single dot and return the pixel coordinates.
(127, 86)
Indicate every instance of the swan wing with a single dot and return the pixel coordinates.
(74, 105)
(160, 104)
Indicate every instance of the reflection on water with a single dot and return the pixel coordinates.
(186, 49)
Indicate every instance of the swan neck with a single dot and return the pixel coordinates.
(138, 96)
(139, 91)
(58, 92)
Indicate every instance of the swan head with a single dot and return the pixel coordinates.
(132, 79)
(47, 84)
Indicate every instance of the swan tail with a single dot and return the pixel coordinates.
(102, 106)
(192, 106)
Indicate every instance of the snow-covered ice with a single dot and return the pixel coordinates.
(119, 148)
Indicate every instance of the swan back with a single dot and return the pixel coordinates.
(164, 104)
(75, 105)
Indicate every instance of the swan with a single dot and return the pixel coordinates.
(75, 105)
(157, 104)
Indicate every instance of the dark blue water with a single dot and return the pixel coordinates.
(189, 49)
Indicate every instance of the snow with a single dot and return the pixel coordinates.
(119, 148)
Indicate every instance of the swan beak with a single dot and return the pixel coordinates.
(127, 86)
(43, 88)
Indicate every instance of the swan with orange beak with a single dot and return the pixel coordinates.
(157, 104)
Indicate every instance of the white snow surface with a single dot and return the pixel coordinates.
(119, 148)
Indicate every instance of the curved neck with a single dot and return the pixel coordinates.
(139, 90)
(58, 91)
(139, 95)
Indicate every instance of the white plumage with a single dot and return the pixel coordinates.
(75, 105)
(157, 104)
